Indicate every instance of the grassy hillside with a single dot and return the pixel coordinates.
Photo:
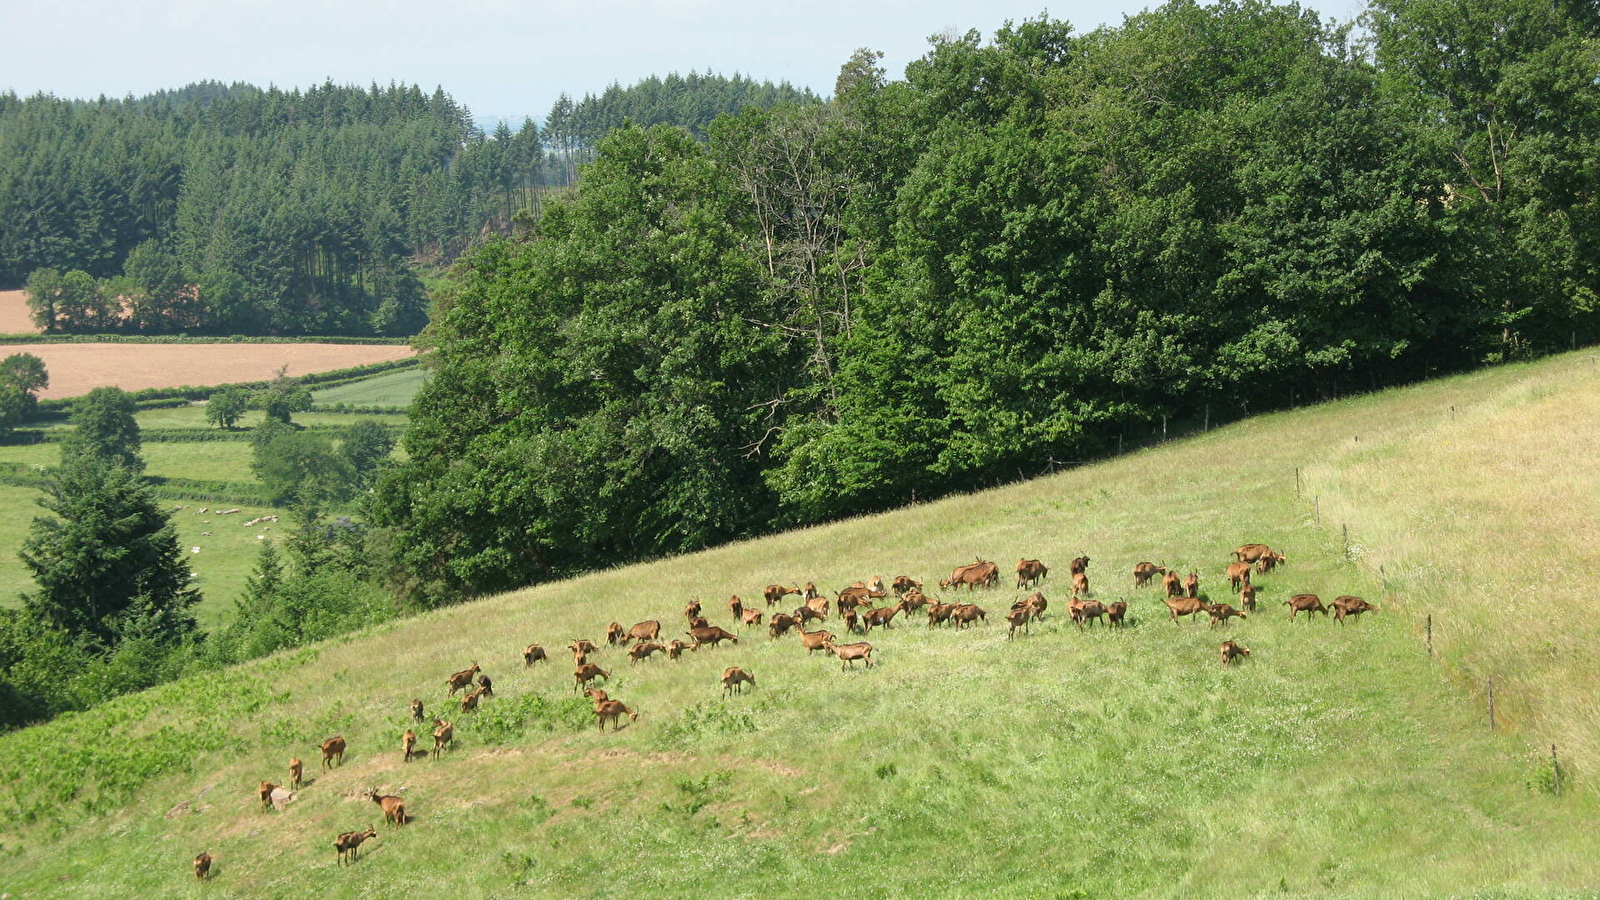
(1335, 762)
(389, 389)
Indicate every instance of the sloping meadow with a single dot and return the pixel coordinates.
(1335, 761)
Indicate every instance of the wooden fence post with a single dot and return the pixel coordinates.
(1345, 530)
(1490, 686)
(1316, 503)
(1430, 634)
(1297, 481)
(1555, 769)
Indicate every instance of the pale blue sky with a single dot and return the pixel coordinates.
(502, 59)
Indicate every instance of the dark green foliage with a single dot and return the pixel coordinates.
(1025, 253)
(282, 399)
(301, 468)
(106, 562)
(22, 377)
(365, 445)
(227, 406)
(105, 430)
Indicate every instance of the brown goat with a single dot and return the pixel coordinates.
(615, 634)
(582, 675)
(1238, 575)
(613, 710)
(939, 613)
(1221, 612)
(818, 605)
(1191, 585)
(780, 623)
(1305, 603)
(1088, 611)
(394, 808)
(598, 695)
(810, 592)
(735, 606)
(915, 599)
(1030, 572)
(1143, 572)
(532, 654)
(1247, 597)
(1269, 561)
(751, 617)
(648, 630)
(1036, 604)
(1172, 584)
(1115, 613)
(852, 620)
(905, 584)
(416, 710)
(486, 685)
(1185, 606)
(1080, 585)
(469, 702)
(1249, 553)
(643, 649)
(332, 748)
(882, 616)
(1018, 618)
(966, 613)
(461, 679)
(296, 771)
(1232, 651)
(349, 843)
(1347, 605)
(1079, 566)
(408, 744)
(849, 653)
(776, 592)
(202, 865)
(444, 735)
(698, 622)
(691, 609)
(584, 646)
(733, 680)
(265, 791)
(979, 574)
(813, 640)
(675, 649)
(711, 634)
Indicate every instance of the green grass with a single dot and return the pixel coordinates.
(389, 389)
(211, 460)
(1335, 762)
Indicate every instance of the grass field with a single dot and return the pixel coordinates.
(1335, 762)
(388, 389)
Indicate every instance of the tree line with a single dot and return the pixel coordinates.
(232, 209)
(1024, 252)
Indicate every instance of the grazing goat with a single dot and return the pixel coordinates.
(779, 624)
(1185, 606)
(648, 630)
(698, 622)
(914, 599)
(349, 843)
(582, 675)
(711, 634)
(818, 605)
(1080, 585)
(1079, 566)
(1238, 575)
(1143, 572)
(905, 584)
(469, 702)
(810, 592)
(394, 808)
(597, 695)
(1018, 618)
(1116, 613)
(776, 592)
(296, 769)
(416, 710)
(1247, 597)
(966, 613)
(1030, 572)
(1087, 611)
(532, 654)
(883, 615)
(1221, 612)
(408, 744)
(939, 613)
(332, 748)
(1249, 553)
(675, 649)
(486, 685)
(1191, 586)
(202, 865)
(584, 646)
(444, 735)
(1232, 651)
(814, 640)
(733, 680)
(751, 617)
(265, 791)
(1173, 584)
(461, 679)
(642, 650)
(735, 606)
(691, 609)
(1268, 562)
(1347, 605)
(849, 653)
(1035, 604)
(613, 710)
(1305, 603)
(852, 621)
(615, 634)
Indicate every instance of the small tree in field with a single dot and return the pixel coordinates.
(282, 398)
(106, 429)
(226, 407)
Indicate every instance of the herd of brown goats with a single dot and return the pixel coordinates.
(856, 609)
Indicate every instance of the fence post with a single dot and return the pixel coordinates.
(1555, 769)
(1297, 481)
(1316, 502)
(1490, 686)
(1345, 530)
(1430, 634)
(1119, 444)
(1207, 425)
(1163, 426)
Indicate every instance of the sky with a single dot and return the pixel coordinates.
(502, 59)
